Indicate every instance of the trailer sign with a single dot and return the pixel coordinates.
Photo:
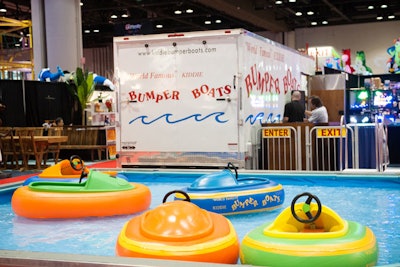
(276, 133)
(331, 132)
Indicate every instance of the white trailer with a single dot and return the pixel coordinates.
(197, 99)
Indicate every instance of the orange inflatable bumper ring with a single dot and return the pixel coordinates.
(179, 230)
(100, 195)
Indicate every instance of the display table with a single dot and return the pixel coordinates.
(36, 146)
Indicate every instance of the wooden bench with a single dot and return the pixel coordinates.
(83, 138)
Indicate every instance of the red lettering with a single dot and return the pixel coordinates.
(196, 93)
(175, 95)
(151, 95)
(262, 82)
(204, 89)
(227, 89)
(210, 91)
(290, 83)
(132, 96)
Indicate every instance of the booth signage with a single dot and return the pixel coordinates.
(331, 132)
(276, 133)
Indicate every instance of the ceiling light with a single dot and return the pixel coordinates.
(124, 15)
(292, 1)
(207, 22)
(379, 18)
(159, 26)
(96, 30)
(3, 8)
(278, 2)
(325, 22)
(310, 13)
(178, 12)
(113, 16)
(87, 31)
(189, 10)
(370, 7)
(391, 17)
(314, 23)
(383, 6)
(218, 21)
(298, 13)
(81, 4)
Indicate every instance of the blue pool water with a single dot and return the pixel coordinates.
(372, 202)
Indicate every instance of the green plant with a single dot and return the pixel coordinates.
(83, 89)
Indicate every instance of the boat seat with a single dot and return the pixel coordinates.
(224, 178)
(289, 228)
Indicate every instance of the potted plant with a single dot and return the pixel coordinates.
(83, 89)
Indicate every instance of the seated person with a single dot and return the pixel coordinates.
(59, 122)
(318, 112)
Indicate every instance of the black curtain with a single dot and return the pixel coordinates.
(30, 103)
(11, 95)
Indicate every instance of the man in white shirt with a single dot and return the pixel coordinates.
(318, 112)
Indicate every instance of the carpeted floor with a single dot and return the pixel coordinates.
(18, 175)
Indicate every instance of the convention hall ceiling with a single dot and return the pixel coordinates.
(150, 16)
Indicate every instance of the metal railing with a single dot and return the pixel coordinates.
(329, 148)
(381, 146)
(281, 147)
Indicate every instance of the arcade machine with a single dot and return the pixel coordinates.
(359, 103)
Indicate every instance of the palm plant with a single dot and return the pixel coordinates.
(84, 88)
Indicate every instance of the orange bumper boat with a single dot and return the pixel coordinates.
(179, 230)
(66, 171)
(100, 195)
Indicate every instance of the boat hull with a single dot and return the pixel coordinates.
(358, 247)
(61, 205)
(170, 232)
(237, 200)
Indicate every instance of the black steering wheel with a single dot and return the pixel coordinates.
(76, 163)
(231, 166)
(306, 208)
(187, 198)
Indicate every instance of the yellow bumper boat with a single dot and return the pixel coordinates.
(309, 234)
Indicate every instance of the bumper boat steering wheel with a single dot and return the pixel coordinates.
(78, 165)
(187, 198)
(306, 208)
(231, 166)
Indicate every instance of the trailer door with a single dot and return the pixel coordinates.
(178, 100)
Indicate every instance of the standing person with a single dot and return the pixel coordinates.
(294, 110)
(318, 112)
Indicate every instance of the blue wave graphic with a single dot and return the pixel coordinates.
(169, 118)
(252, 119)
